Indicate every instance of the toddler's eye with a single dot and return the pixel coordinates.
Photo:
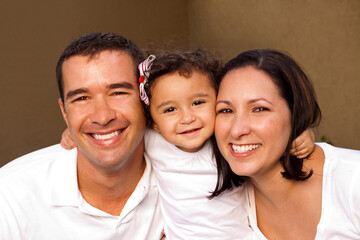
(170, 109)
(198, 102)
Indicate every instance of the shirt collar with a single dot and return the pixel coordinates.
(63, 184)
(145, 184)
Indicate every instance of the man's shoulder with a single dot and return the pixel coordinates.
(33, 160)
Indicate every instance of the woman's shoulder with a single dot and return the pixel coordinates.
(341, 196)
(338, 154)
(341, 169)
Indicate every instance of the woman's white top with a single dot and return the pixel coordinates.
(340, 212)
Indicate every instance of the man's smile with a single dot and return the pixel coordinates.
(106, 136)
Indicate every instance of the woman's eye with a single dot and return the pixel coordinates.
(260, 109)
(198, 102)
(224, 110)
(170, 109)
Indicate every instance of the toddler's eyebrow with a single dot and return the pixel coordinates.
(163, 104)
(201, 95)
(170, 101)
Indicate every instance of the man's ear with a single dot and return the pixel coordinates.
(62, 108)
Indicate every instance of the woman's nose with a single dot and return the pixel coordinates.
(240, 126)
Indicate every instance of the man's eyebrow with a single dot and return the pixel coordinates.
(126, 85)
(75, 92)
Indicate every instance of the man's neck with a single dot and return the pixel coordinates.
(108, 190)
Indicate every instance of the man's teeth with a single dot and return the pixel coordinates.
(106, 136)
(243, 148)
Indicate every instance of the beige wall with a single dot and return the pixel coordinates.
(322, 35)
(33, 35)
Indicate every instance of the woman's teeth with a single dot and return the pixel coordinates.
(106, 136)
(243, 148)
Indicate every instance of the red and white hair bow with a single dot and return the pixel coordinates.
(144, 68)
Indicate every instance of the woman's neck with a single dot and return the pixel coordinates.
(272, 189)
(284, 205)
(275, 188)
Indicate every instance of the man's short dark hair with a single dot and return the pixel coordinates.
(93, 43)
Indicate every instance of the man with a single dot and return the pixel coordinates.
(103, 189)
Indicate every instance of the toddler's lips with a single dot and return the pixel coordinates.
(190, 131)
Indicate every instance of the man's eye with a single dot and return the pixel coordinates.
(224, 110)
(82, 98)
(198, 102)
(119, 93)
(170, 109)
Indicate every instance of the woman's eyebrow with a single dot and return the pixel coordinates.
(223, 101)
(260, 99)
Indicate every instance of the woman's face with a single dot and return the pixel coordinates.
(253, 122)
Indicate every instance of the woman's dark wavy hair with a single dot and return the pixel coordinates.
(296, 88)
(184, 63)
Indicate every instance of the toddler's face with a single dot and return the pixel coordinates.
(183, 109)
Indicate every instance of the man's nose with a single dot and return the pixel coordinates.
(103, 113)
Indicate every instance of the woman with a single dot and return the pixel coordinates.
(265, 101)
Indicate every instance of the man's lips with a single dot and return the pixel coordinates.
(106, 136)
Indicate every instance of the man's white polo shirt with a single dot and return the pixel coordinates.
(40, 199)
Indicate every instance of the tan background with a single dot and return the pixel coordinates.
(322, 35)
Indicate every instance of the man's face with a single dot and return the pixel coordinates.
(102, 109)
